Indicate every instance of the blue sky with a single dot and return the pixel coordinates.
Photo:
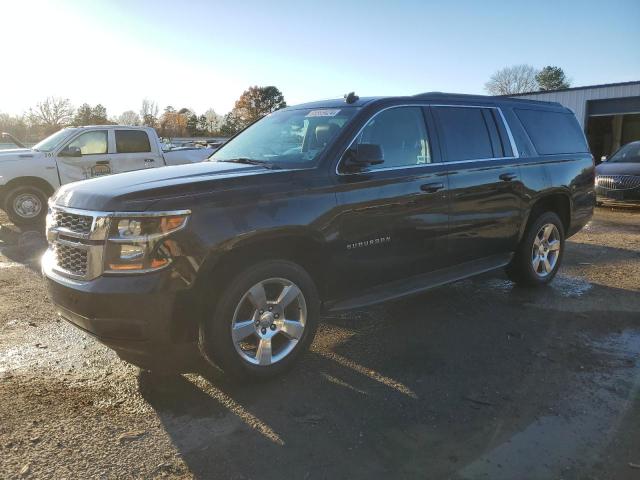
(204, 54)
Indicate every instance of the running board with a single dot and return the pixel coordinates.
(419, 283)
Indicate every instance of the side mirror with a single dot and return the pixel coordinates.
(70, 152)
(364, 155)
(603, 158)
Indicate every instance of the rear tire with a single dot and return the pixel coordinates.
(272, 300)
(26, 206)
(539, 254)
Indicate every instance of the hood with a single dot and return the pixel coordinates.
(618, 168)
(137, 191)
(16, 153)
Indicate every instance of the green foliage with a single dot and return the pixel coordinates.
(253, 104)
(552, 78)
(87, 115)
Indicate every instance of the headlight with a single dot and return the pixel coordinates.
(139, 243)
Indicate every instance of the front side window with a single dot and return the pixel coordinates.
(402, 136)
(91, 143)
(132, 141)
(465, 133)
(287, 138)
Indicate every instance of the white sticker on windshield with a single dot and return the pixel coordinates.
(323, 113)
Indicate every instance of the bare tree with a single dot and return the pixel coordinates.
(129, 118)
(512, 80)
(51, 114)
(149, 113)
(214, 121)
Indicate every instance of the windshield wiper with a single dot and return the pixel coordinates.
(250, 161)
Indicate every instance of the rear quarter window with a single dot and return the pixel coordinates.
(132, 141)
(553, 132)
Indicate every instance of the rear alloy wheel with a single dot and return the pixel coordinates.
(538, 257)
(26, 205)
(263, 320)
(546, 250)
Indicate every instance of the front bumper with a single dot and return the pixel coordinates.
(629, 195)
(133, 315)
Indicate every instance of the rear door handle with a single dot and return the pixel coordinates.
(507, 177)
(432, 187)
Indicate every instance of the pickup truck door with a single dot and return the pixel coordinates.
(134, 150)
(95, 159)
(486, 193)
(393, 216)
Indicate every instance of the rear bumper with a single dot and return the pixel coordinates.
(132, 315)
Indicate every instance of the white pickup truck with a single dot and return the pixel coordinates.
(28, 176)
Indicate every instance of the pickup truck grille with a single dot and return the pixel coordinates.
(71, 259)
(73, 222)
(618, 182)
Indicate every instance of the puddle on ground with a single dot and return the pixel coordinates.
(582, 431)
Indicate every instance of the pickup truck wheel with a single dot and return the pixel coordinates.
(263, 321)
(539, 254)
(26, 205)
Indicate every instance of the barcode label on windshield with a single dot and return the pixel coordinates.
(323, 113)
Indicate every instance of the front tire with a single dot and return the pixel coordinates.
(263, 321)
(539, 255)
(26, 206)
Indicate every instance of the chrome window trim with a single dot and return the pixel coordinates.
(514, 149)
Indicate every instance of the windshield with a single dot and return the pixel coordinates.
(52, 141)
(630, 153)
(287, 138)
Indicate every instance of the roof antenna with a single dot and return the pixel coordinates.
(351, 97)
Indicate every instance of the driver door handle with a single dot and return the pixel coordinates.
(432, 187)
(507, 177)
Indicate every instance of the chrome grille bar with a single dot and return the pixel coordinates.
(618, 182)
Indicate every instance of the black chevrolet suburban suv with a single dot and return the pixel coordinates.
(320, 207)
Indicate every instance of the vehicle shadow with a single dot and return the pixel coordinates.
(434, 386)
(23, 246)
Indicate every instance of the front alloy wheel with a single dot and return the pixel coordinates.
(269, 321)
(261, 320)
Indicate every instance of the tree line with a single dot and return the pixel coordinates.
(525, 78)
(52, 114)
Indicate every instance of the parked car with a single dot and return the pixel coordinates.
(326, 206)
(28, 176)
(618, 178)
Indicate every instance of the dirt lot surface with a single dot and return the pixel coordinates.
(474, 380)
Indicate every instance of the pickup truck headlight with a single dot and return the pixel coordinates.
(139, 243)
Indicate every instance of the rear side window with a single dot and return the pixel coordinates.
(132, 141)
(553, 132)
(467, 132)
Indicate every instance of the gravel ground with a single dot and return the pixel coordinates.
(478, 379)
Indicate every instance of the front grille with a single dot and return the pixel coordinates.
(71, 259)
(72, 222)
(618, 182)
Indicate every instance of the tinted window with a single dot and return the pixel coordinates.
(132, 141)
(401, 134)
(91, 143)
(465, 133)
(553, 132)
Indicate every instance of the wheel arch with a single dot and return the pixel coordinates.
(298, 245)
(557, 201)
(30, 181)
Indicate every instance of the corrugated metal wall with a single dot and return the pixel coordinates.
(577, 99)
